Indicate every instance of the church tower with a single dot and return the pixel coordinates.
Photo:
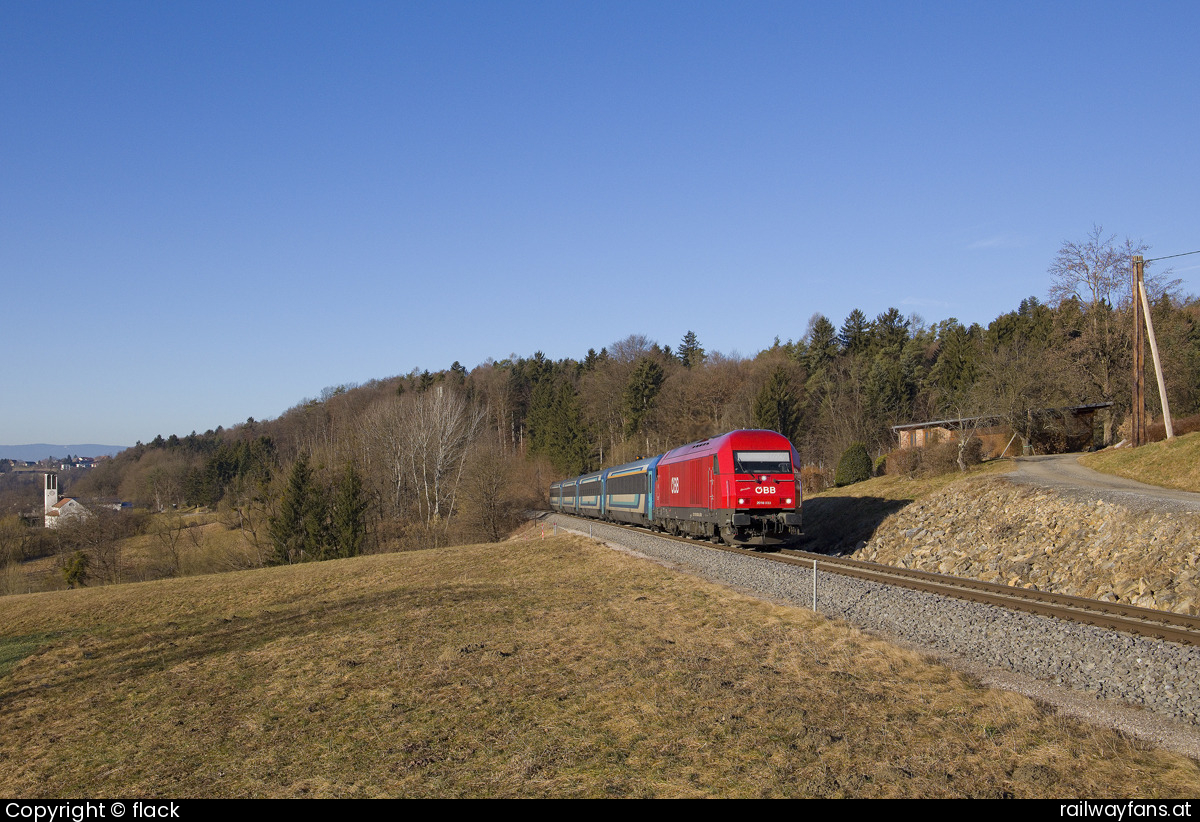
(51, 491)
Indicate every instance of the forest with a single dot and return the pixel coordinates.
(450, 456)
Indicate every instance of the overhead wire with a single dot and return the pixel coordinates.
(1169, 256)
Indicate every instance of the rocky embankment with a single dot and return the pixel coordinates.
(994, 530)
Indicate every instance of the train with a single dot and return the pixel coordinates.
(742, 488)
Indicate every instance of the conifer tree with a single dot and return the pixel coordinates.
(821, 341)
(348, 515)
(855, 335)
(690, 353)
(556, 426)
(775, 407)
(640, 392)
(298, 531)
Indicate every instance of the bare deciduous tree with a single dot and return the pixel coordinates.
(1095, 273)
(489, 505)
(419, 442)
(1097, 270)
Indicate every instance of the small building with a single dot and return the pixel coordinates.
(1052, 431)
(57, 510)
(995, 435)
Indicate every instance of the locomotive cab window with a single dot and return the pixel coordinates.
(762, 462)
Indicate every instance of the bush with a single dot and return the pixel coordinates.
(854, 466)
(1157, 431)
(880, 466)
(905, 463)
(75, 571)
(813, 480)
(934, 460)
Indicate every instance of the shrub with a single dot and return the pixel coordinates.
(813, 480)
(854, 466)
(880, 466)
(75, 571)
(1157, 431)
(934, 460)
(905, 462)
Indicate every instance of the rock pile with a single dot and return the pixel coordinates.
(993, 530)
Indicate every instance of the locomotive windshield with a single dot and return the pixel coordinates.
(762, 462)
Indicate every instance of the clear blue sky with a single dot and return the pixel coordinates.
(211, 210)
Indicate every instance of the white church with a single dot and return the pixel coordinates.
(60, 510)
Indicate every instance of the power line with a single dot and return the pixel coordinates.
(1169, 256)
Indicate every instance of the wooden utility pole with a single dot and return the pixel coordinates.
(1158, 372)
(1141, 313)
(1138, 434)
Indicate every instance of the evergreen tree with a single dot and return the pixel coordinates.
(348, 515)
(889, 331)
(957, 365)
(775, 407)
(690, 353)
(822, 343)
(556, 427)
(855, 336)
(298, 531)
(887, 393)
(539, 419)
(640, 392)
(569, 442)
(1032, 325)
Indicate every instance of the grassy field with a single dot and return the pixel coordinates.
(543, 667)
(1170, 463)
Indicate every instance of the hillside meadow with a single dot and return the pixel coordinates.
(1171, 463)
(539, 667)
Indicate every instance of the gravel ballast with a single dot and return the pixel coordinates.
(1019, 651)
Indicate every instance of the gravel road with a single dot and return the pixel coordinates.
(1063, 473)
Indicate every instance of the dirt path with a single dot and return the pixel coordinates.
(1063, 473)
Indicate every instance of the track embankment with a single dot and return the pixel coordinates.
(1053, 539)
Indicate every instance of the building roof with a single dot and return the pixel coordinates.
(962, 422)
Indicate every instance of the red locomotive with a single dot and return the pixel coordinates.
(741, 487)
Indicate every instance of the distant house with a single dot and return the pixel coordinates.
(62, 510)
(996, 436)
(1054, 430)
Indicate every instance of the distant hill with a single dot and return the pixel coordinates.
(41, 450)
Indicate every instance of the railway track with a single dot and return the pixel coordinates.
(1145, 622)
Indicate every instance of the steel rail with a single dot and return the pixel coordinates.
(1148, 622)
(1046, 597)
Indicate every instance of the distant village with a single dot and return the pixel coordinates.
(60, 464)
(55, 510)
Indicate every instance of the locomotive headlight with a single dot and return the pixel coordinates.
(787, 501)
(741, 501)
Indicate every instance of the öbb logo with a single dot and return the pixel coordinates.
(764, 489)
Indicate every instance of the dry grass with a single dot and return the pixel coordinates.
(1170, 463)
(173, 544)
(549, 667)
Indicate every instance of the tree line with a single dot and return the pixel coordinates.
(430, 458)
